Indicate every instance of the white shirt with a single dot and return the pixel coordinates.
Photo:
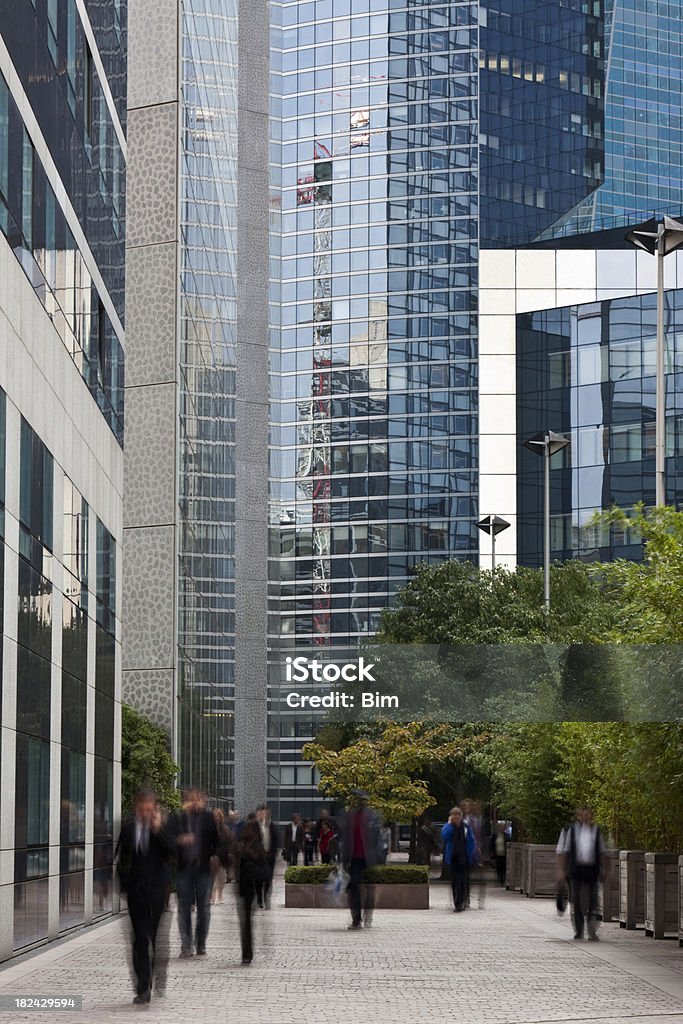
(584, 836)
(139, 827)
(294, 831)
(265, 835)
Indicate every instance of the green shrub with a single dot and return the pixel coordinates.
(382, 874)
(315, 874)
(398, 874)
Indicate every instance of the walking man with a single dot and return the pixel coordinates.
(360, 851)
(197, 841)
(269, 843)
(459, 852)
(144, 850)
(581, 859)
(294, 840)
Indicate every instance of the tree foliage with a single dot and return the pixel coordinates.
(630, 773)
(646, 595)
(145, 760)
(388, 765)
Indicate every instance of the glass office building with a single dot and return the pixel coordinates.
(643, 125)
(589, 370)
(374, 173)
(62, 161)
(542, 128)
(206, 541)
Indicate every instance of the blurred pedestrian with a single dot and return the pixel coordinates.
(294, 840)
(459, 853)
(310, 843)
(499, 851)
(581, 859)
(269, 843)
(426, 842)
(143, 855)
(221, 861)
(384, 842)
(197, 841)
(327, 843)
(252, 872)
(360, 851)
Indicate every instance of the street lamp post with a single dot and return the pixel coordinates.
(546, 444)
(660, 238)
(493, 525)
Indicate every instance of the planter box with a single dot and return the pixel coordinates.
(524, 866)
(513, 866)
(661, 895)
(541, 871)
(631, 889)
(608, 893)
(680, 901)
(387, 897)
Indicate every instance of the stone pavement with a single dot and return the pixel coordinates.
(512, 963)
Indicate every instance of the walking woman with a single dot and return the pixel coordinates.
(253, 873)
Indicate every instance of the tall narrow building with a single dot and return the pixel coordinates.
(197, 386)
(62, 215)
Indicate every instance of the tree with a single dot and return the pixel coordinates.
(145, 760)
(646, 595)
(459, 603)
(387, 766)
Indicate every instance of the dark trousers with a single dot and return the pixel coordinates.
(308, 855)
(501, 867)
(325, 858)
(245, 908)
(460, 881)
(264, 885)
(357, 905)
(145, 914)
(583, 890)
(293, 856)
(193, 886)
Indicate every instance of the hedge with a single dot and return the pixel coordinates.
(381, 874)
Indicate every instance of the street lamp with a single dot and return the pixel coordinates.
(493, 525)
(660, 237)
(546, 444)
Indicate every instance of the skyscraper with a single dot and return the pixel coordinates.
(197, 385)
(403, 146)
(62, 210)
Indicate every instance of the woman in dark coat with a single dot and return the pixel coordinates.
(253, 870)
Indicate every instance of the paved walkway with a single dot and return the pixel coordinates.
(512, 963)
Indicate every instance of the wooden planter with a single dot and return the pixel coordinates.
(661, 895)
(631, 889)
(513, 866)
(387, 897)
(524, 867)
(541, 871)
(608, 894)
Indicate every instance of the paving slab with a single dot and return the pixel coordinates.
(512, 962)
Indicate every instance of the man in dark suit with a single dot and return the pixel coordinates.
(144, 850)
(197, 840)
(293, 840)
(269, 843)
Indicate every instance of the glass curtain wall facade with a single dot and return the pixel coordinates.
(206, 562)
(62, 180)
(590, 371)
(542, 134)
(643, 120)
(374, 177)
